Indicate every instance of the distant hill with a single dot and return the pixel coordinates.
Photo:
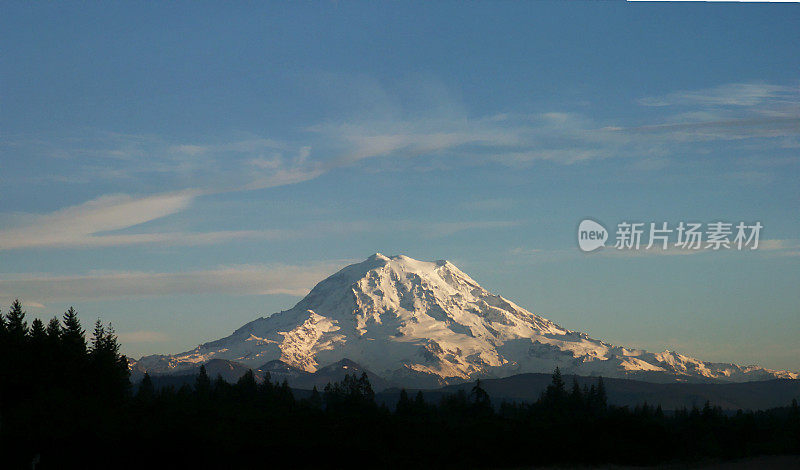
(621, 392)
(519, 388)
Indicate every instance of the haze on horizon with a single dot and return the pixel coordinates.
(180, 170)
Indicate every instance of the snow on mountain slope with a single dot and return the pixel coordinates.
(421, 323)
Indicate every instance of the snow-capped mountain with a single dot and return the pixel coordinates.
(418, 323)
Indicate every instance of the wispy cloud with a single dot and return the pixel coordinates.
(241, 279)
(721, 127)
(451, 138)
(82, 225)
(97, 223)
(727, 112)
(780, 247)
(731, 94)
(246, 145)
(505, 139)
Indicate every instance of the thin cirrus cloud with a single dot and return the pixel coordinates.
(87, 226)
(780, 247)
(731, 94)
(84, 225)
(727, 112)
(294, 280)
(732, 111)
(505, 139)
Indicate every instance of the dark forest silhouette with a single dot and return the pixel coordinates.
(66, 401)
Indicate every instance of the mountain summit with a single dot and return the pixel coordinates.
(418, 323)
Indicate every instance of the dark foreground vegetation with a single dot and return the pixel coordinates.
(67, 402)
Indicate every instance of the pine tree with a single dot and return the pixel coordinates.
(54, 329)
(404, 403)
(15, 363)
(3, 347)
(246, 385)
(72, 335)
(576, 397)
(315, 401)
(202, 384)
(108, 361)
(419, 403)
(602, 399)
(98, 338)
(265, 388)
(220, 387)
(481, 399)
(365, 388)
(645, 410)
(558, 381)
(111, 344)
(16, 325)
(37, 332)
(285, 393)
(54, 368)
(146, 390)
(555, 393)
(38, 346)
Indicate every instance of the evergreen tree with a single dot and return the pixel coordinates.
(220, 388)
(266, 389)
(602, 399)
(146, 390)
(315, 401)
(72, 335)
(37, 332)
(38, 342)
(55, 369)
(98, 338)
(366, 388)
(419, 402)
(404, 405)
(555, 393)
(3, 344)
(54, 330)
(480, 398)
(285, 394)
(16, 325)
(110, 369)
(576, 397)
(246, 385)
(202, 384)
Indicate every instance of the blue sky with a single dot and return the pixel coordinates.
(181, 169)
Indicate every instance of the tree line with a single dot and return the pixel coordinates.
(68, 401)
